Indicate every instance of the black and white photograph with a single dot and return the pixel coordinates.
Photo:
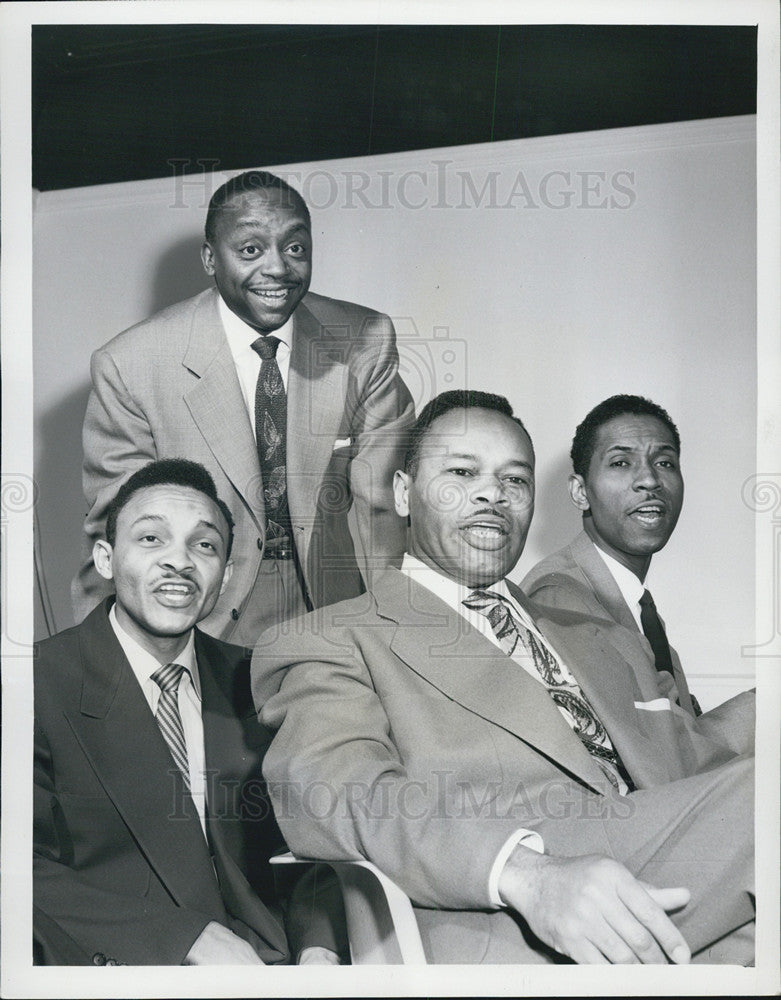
(391, 499)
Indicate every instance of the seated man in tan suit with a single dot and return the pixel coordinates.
(627, 483)
(496, 759)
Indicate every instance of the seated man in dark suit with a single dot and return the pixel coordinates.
(152, 827)
(494, 758)
(627, 483)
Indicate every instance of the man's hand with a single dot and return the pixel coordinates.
(216, 945)
(593, 909)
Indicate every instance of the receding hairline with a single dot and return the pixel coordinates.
(513, 421)
(193, 491)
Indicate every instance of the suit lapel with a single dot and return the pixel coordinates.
(316, 390)
(225, 706)
(218, 408)
(612, 691)
(602, 583)
(632, 644)
(126, 750)
(442, 647)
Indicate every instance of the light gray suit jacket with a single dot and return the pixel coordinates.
(407, 737)
(168, 388)
(576, 579)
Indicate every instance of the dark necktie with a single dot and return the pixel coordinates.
(656, 635)
(270, 433)
(168, 718)
(562, 686)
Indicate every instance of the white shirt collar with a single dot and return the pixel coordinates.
(241, 335)
(629, 585)
(144, 664)
(444, 587)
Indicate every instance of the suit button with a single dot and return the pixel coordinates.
(111, 961)
(260, 543)
(98, 958)
(235, 615)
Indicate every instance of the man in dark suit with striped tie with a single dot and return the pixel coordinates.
(152, 828)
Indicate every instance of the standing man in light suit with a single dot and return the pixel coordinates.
(496, 759)
(627, 483)
(291, 400)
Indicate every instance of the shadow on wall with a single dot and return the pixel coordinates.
(60, 511)
(179, 274)
(61, 506)
(552, 510)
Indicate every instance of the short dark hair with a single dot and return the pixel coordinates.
(453, 399)
(167, 472)
(250, 180)
(585, 438)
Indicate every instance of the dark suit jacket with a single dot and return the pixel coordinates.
(121, 865)
(576, 579)
(167, 388)
(406, 737)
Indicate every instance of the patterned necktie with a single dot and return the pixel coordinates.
(562, 686)
(656, 635)
(168, 718)
(270, 433)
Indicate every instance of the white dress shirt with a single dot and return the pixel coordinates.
(626, 581)
(241, 336)
(453, 593)
(144, 665)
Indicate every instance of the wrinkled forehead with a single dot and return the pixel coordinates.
(286, 206)
(634, 430)
(175, 506)
(476, 431)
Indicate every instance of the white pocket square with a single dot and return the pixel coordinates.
(342, 443)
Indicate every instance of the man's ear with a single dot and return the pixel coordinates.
(226, 576)
(577, 492)
(401, 481)
(207, 258)
(102, 556)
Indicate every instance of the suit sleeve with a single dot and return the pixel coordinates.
(108, 927)
(117, 440)
(383, 415)
(341, 791)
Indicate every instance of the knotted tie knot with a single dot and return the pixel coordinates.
(497, 611)
(168, 677)
(266, 347)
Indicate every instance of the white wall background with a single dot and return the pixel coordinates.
(556, 271)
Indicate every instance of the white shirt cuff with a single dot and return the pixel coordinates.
(529, 839)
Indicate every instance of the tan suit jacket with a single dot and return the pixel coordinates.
(406, 737)
(576, 579)
(168, 388)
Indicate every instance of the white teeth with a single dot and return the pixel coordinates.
(484, 530)
(175, 588)
(276, 294)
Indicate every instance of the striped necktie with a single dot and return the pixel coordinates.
(168, 718)
(561, 685)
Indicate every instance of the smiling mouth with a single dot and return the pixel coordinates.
(274, 296)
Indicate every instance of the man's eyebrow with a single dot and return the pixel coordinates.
(627, 447)
(147, 517)
(257, 223)
(209, 524)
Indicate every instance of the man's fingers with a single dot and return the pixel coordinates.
(647, 903)
(668, 899)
